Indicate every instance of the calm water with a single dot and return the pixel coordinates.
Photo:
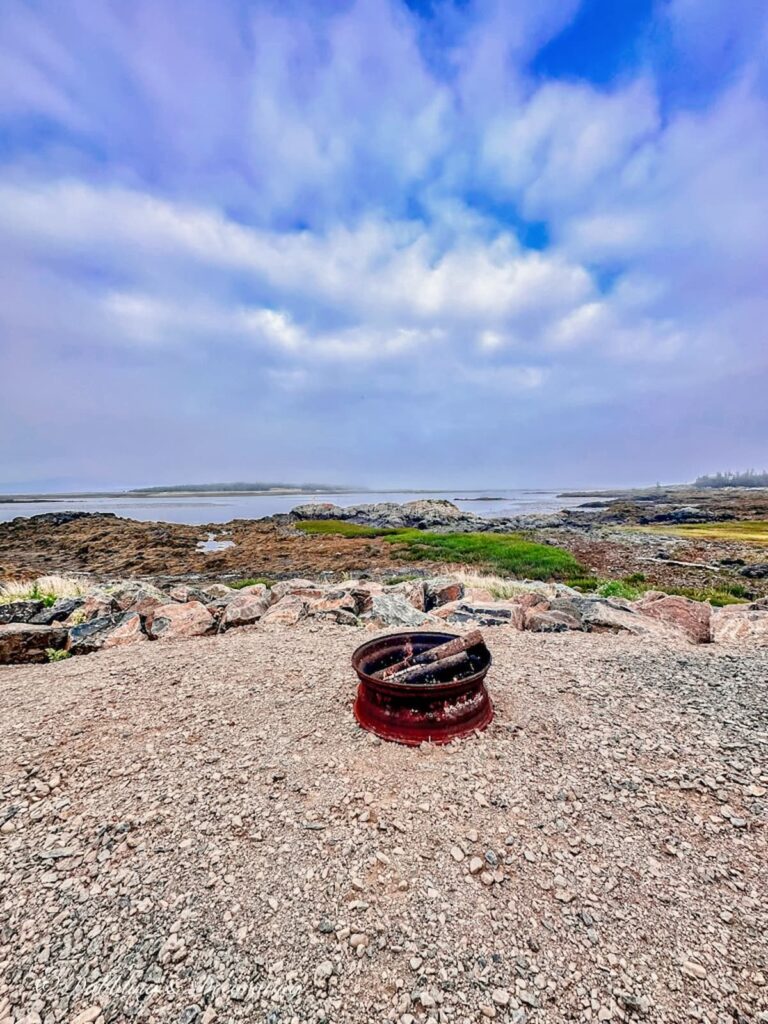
(199, 510)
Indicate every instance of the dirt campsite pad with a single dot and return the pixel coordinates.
(200, 831)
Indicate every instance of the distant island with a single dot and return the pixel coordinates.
(190, 490)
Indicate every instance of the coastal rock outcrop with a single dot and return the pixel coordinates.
(424, 514)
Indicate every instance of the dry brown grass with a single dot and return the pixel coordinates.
(49, 588)
(750, 531)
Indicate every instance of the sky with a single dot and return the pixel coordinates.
(425, 243)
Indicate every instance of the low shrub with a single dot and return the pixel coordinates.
(587, 583)
(53, 655)
(619, 588)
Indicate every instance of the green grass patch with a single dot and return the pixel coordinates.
(503, 553)
(717, 596)
(620, 588)
(239, 584)
(635, 578)
(405, 578)
(585, 583)
(513, 555)
(753, 531)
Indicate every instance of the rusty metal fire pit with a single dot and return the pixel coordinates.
(412, 713)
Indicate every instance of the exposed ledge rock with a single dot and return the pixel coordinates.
(439, 514)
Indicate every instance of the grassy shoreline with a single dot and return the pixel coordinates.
(514, 556)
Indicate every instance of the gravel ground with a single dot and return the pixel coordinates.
(199, 831)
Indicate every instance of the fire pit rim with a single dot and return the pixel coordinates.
(399, 687)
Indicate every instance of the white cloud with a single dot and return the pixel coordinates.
(324, 210)
(389, 276)
(556, 149)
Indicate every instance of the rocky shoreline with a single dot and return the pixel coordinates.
(673, 506)
(132, 611)
(610, 542)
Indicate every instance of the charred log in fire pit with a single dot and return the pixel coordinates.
(422, 686)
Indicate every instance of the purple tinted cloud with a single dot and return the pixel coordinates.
(297, 240)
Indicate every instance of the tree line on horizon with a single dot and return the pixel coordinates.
(749, 478)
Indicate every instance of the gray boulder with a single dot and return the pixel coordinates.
(184, 592)
(174, 621)
(98, 603)
(135, 596)
(341, 616)
(496, 614)
(600, 614)
(300, 587)
(441, 590)
(413, 592)
(394, 610)
(105, 632)
(245, 606)
(756, 571)
(58, 611)
(20, 611)
(538, 620)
